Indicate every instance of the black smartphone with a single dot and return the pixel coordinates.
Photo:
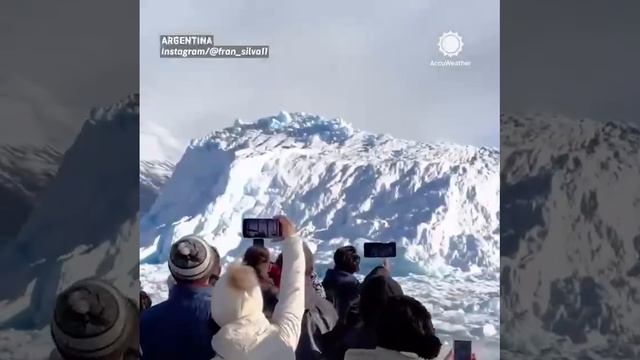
(461, 350)
(379, 250)
(261, 229)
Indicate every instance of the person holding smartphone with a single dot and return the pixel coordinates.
(361, 332)
(179, 328)
(236, 306)
(341, 286)
(258, 257)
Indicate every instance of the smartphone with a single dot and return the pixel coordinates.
(379, 250)
(461, 350)
(261, 229)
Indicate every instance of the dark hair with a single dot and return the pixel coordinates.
(256, 256)
(405, 325)
(375, 292)
(308, 260)
(145, 301)
(346, 259)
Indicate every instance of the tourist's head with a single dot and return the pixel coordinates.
(145, 301)
(236, 295)
(193, 261)
(375, 293)
(94, 320)
(347, 259)
(258, 257)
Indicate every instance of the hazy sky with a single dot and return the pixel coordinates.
(365, 61)
(60, 59)
(578, 58)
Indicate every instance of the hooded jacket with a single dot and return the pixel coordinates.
(245, 332)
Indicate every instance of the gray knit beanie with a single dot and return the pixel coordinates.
(92, 319)
(191, 258)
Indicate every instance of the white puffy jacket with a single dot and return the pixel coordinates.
(254, 337)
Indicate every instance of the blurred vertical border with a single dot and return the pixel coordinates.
(69, 155)
(570, 180)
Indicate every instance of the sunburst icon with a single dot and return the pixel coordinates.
(450, 44)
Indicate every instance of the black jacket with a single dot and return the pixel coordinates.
(360, 331)
(319, 319)
(342, 289)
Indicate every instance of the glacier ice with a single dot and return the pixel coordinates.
(439, 202)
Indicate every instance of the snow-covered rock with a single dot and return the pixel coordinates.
(153, 176)
(25, 173)
(86, 224)
(570, 238)
(489, 330)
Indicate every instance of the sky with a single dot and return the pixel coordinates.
(367, 61)
(60, 59)
(362, 60)
(578, 58)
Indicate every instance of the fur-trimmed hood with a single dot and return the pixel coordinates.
(236, 295)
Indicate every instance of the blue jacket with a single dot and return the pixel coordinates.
(179, 328)
(343, 290)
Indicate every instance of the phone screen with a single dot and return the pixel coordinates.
(261, 229)
(462, 350)
(379, 250)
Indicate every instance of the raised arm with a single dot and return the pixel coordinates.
(290, 307)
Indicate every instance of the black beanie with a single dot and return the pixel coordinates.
(92, 319)
(191, 258)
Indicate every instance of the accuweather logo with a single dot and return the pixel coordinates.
(450, 45)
